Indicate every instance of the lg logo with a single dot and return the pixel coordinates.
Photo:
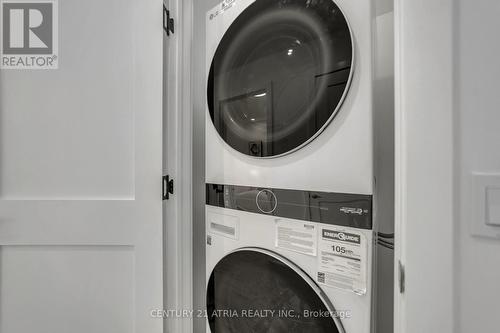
(29, 34)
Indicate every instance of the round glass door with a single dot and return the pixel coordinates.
(254, 290)
(279, 75)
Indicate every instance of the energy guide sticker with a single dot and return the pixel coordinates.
(342, 259)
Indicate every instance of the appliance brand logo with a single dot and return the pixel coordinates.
(214, 15)
(29, 34)
(354, 211)
(341, 236)
(225, 5)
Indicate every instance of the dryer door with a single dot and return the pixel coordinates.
(255, 290)
(279, 75)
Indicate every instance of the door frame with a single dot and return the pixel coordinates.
(424, 157)
(178, 133)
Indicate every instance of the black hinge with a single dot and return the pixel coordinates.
(401, 271)
(168, 187)
(168, 22)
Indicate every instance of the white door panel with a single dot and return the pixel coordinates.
(73, 125)
(54, 285)
(80, 176)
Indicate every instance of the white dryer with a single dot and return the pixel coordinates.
(305, 268)
(290, 94)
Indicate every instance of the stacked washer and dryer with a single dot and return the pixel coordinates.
(290, 165)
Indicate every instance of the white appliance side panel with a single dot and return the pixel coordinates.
(340, 159)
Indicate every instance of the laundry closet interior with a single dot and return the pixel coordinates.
(293, 171)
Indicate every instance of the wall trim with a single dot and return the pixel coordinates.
(424, 207)
(178, 139)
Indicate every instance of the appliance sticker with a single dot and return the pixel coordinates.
(301, 237)
(342, 260)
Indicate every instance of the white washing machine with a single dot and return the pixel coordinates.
(291, 97)
(288, 261)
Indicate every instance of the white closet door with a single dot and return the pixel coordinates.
(80, 176)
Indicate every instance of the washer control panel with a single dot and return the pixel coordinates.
(344, 209)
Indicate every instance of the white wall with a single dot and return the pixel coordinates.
(448, 129)
(477, 112)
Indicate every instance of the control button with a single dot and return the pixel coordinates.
(266, 201)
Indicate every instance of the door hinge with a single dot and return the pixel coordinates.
(168, 22)
(168, 187)
(401, 276)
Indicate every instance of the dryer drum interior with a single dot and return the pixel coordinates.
(279, 293)
(279, 75)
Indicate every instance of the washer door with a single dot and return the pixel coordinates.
(263, 283)
(279, 75)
